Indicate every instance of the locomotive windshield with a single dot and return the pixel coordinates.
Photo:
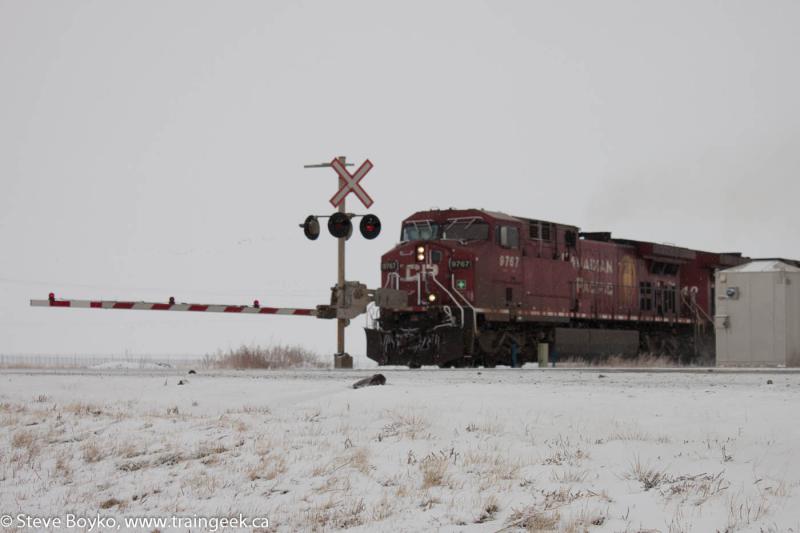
(420, 231)
(466, 230)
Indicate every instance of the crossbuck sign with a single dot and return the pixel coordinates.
(350, 183)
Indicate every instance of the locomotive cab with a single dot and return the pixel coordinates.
(437, 257)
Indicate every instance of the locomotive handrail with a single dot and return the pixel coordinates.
(460, 307)
(699, 312)
(392, 276)
(474, 312)
(449, 313)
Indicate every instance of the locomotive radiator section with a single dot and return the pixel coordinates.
(587, 343)
(415, 347)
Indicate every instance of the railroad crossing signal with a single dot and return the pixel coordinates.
(340, 226)
(370, 226)
(311, 227)
(350, 183)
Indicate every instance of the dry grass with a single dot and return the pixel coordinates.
(356, 458)
(699, 488)
(201, 485)
(129, 450)
(23, 439)
(779, 489)
(429, 501)
(492, 467)
(91, 452)
(489, 427)
(743, 511)
(207, 448)
(252, 410)
(83, 408)
(564, 496)
(583, 521)
(335, 515)
(270, 358)
(637, 435)
(359, 459)
(533, 519)
(62, 466)
(562, 451)
(267, 469)
(648, 476)
(109, 503)
(569, 475)
(27, 442)
(403, 425)
(384, 508)
(434, 470)
(8, 407)
(679, 522)
(489, 509)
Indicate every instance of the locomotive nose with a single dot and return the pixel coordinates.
(446, 273)
(430, 273)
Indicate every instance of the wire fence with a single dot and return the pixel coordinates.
(99, 361)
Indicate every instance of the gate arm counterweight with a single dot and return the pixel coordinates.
(254, 309)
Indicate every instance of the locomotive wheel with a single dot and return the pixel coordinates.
(651, 343)
(670, 346)
(488, 341)
(662, 344)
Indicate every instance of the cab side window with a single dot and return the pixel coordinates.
(508, 237)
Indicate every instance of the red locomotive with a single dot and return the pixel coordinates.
(485, 288)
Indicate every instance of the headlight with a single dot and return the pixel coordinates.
(431, 298)
(420, 257)
(420, 249)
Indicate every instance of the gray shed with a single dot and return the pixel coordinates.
(757, 317)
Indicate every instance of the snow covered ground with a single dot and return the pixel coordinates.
(433, 450)
(131, 365)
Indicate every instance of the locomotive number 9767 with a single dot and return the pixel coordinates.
(511, 261)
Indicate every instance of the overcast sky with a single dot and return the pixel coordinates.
(156, 149)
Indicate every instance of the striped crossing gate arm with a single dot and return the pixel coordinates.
(254, 309)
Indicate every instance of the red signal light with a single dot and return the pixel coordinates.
(340, 226)
(370, 226)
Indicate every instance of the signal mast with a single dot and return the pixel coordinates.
(341, 227)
